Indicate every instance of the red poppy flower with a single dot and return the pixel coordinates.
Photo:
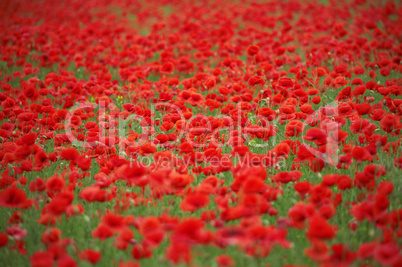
(16, 232)
(303, 187)
(210, 83)
(363, 109)
(316, 135)
(359, 90)
(37, 185)
(91, 255)
(13, 198)
(162, 138)
(167, 68)
(70, 154)
(256, 80)
(361, 154)
(3, 239)
(66, 261)
(194, 201)
(344, 182)
(74, 210)
(29, 139)
(55, 183)
(94, 193)
(319, 252)
(252, 50)
(363, 126)
(330, 179)
(389, 122)
(320, 228)
(102, 232)
(387, 254)
(224, 261)
(377, 114)
(366, 250)
(342, 255)
(60, 202)
(267, 112)
(179, 252)
(180, 181)
(286, 177)
(113, 221)
(294, 128)
(141, 251)
(185, 148)
(316, 100)
(42, 259)
(128, 264)
(51, 235)
(84, 163)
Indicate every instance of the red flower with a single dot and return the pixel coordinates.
(286, 177)
(167, 68)
(267, 113)
(114, 221)
(361, 154)
(377, 114)
(66, 261)
(366, 250)
(320, 228)
(16, 232)
(29, 139)
(389, 122)
(128, 264)
(3, 239)
(286, 82)
(69, 154)
(84, 163)
(294, 128)
(60, 202)
(281, 149)
(91, 255)
(42, 259)
(316, 135)
(252, 50)
(256, 80)
(162, 138)
(342, 255)
(330, 179)
(253, 184)
(194, 201)
(225, 261)
(185, 148)
(178, 252)
(387, 254)
(102, 232)
(55, 183)
(210, 83)
(141, 251)
(398, 162)
(147, 149)
(51, 235)
(319, 251)
(132, 172)
(363, 109)
(13, 198)
(303, 187)
(362, 126)
(75, 122)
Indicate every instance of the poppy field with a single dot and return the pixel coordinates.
(200, 133)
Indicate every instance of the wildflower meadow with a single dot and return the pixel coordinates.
(200, 133)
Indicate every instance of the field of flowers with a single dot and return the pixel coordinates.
(200, 133)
